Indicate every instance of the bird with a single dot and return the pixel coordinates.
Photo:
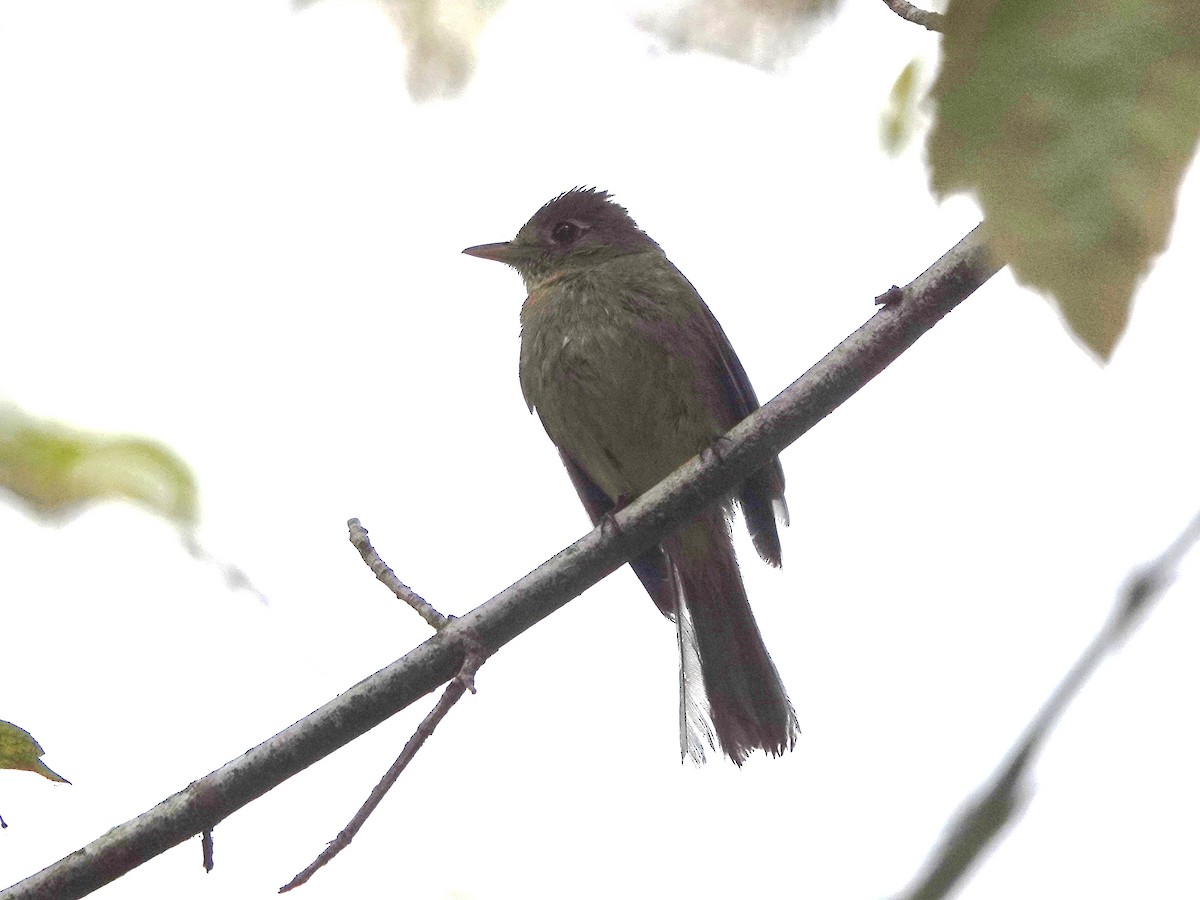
(631, 376)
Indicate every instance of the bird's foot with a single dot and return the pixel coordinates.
(608, 522)
(713, 451)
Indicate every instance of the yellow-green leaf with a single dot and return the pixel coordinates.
(55, 470)
(899, 120)
(1073, 124)
(18, 750)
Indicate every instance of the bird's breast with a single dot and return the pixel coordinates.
(610, 389)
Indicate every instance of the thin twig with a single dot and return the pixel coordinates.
(925, 18)
(976, 826)
(206, 849)
(460, 684)
(1151, 580)
(362, 543)
(235, 577)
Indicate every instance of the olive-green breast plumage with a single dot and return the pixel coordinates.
(598, 366)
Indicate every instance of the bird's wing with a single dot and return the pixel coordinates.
(651, 567)
(761, 495)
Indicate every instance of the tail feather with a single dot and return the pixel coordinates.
(695, 721)
(746, 700)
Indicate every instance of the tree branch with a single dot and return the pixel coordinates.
(923, 17)
(646, 521)
(978, 824)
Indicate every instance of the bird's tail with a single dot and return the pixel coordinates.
(725, 670)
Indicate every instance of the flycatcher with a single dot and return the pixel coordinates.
(632, 376)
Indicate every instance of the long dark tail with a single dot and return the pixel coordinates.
(746, 700)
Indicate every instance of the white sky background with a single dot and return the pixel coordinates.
(227, 227)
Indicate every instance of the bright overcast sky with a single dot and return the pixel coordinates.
(225, 226)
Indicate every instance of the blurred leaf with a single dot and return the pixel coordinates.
(439, 36)
(762, 33)
(18, 750)
(55, 470)
(900, 119)
(1073, 124)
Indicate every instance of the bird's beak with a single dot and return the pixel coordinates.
(502, 252)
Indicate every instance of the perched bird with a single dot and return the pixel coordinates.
(631, 376)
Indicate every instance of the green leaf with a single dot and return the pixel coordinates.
(1073, 124)
(18, 750)
(899, 120)
(55, 470)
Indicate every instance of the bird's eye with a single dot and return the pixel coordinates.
(565, 232)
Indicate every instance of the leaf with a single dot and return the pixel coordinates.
(55, 470)
(439, 40)
(761, 33)
(1073, 124)
(900, 119)
(18, 750)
